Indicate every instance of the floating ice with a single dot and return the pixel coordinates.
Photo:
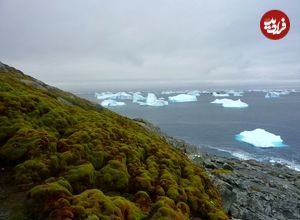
(260, 138)
(105, 95)
(183, 98)
(123, 95)
(194, 92)
(277, 93)
(137, 97)
(109, 95)
(229, 103)
(235, 93)
(153, 101)
(216, 94)
(284, 92)
(272, 95)
(111, 102)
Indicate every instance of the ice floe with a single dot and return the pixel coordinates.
(260, 138)
(152, 100)
(272, 95)
(111, 102)
(217, 94)
(169, 92)
(137, 97)
(194, 92)
(229, 103)
(183, 98)
(277, 93)
(110, 95)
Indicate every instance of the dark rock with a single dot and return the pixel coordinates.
(209, 165)
(228, 196)
(227, 166)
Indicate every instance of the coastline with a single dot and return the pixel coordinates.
(250, 189)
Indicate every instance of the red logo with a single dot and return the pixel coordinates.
(275, 24)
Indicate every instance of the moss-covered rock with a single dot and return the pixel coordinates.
(81, 177)
(94, 204)
(32, 171)
(114, 176)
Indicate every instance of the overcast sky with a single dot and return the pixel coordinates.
(70, 43)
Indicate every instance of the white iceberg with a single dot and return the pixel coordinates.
(123, 95)
(153, 101)
(229, 103)
(105, 95)
(260, 138)
(169, 92)
(109, 95)
(183, 98)
(194, 92)
(272, 95)
(284, 92)
(111, 102)
(137, 97)
(216, 94)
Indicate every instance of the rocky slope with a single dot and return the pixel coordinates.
(250, 190)
(255, 190)
(62, 157)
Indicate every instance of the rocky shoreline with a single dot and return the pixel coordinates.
(254, 190)
(250, 189)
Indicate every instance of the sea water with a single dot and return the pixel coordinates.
(214, 128)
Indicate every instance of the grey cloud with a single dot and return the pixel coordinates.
(173, 40)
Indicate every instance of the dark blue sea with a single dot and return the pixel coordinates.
(213, 128)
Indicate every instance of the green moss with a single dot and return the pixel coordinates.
(219, 215)
(114, 176)
(165, 208)
(221, 171)
(25, 143)
(143, 200)
(93, 203)
(96, 158)
(168, 213)
(173, 193)
(81, 177)
(32, 171)
(72, 150)
(184, 208)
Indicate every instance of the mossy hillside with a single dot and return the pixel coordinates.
(81, 161)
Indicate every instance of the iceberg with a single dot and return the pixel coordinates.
(284, 92)
(153, 101)
(183, 98)
(123, 95)
(137, 97)
(169, 92)
(111, 102)
(194, 92)
(216, 94)
(272, 95)
(229, 103)
(105, 95)
(109, 95)
(260, 138)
